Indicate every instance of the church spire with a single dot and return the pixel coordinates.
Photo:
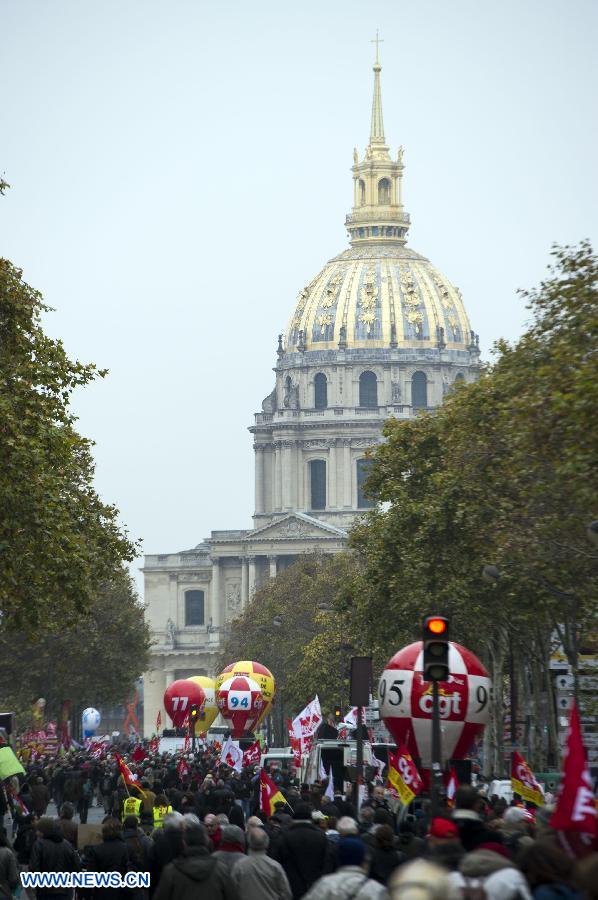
(377, 129)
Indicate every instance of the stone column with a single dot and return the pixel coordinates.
(244, 584)
(215, 611)
(259, 479)
(277, 475)
(347, 473)
(332, 499)
(251, 576)
(168, 677)
(288, 475)
(272, 561)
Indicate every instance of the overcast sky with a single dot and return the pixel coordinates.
(181, 169)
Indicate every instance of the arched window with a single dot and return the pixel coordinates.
(361, 192)
(368, 390)
(320, 391)
(460, 377)
(363, 470)
(317, 479)
(419, 390)
(194, 608)
(384, 191)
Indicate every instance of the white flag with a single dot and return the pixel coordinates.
(309, 719)
(350, 720)
(329, 792)
(322, 771)
(232, 755)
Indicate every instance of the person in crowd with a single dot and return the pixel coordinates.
(68, 827)
(196, 874)
(517, 828)
(167, 846)
(52, 853)
(549, 872)
(214, 830)
(443, 845)
(162, 808)
(232, 846)
(40, 797)
(422, 880)
(139, 847)
(303, 851)
(109, 856)
(351, 878)
(472, 830)
(258, 876)
(385, 858)
(86, 799)
(25, 839)
(489, 869)
(9, 875)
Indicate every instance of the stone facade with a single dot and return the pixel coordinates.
(379, 332)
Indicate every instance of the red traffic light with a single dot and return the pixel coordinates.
(436, 625)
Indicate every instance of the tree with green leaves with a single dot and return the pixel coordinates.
(58, 665)
(59, 542)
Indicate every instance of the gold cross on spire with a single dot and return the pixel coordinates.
(377, 40)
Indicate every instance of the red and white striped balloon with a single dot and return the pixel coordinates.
(240, 701)
(406, 702)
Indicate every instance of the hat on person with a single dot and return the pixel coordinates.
(516, 814)
(443, 828)
(351, 851)
(317, 816)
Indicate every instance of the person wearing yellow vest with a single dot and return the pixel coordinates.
(161, 810)
(131, 807)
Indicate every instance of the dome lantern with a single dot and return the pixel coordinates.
(378, 215)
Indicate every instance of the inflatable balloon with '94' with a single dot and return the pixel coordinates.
(405, 701)
(240, 702)
(210, 708)
(179, 697)
(262, 676)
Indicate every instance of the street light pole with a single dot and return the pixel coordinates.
(436, 786)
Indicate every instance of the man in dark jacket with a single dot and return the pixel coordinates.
(52, 853)
(304, 852)
(196, 874)
(473, 831)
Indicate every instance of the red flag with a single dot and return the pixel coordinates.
(138, 754)
(575, 807)
(253, 755)
(269, 794)
(183, 768)
(154, 745)
(158, 722)
(403, 775)
(451, 788)
(129, 779)
(523, 781)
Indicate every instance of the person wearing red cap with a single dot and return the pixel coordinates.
(443, 845)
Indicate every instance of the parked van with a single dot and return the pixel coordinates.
(277, 757)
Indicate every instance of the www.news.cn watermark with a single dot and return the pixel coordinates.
(63, 880)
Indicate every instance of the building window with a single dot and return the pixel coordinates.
(317, 478)
(384, 192)
(368, 390)
(320, 391)
(363, 470)
(194, 608)
(361, 192)
(419, 390)
(460, 377)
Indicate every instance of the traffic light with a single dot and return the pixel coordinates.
(338, 713)
(436, 648)
(193, 713)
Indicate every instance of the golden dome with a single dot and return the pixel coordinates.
(378, 296)
(378, 293)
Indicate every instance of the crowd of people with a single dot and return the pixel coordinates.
(197, 828)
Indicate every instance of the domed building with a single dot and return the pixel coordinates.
(378, 332)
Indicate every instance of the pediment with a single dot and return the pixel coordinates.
(296, 526)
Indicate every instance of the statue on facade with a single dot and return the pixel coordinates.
(170, 632)
(400, 153)
(233, 598)
(396, 391)
(355, 156)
